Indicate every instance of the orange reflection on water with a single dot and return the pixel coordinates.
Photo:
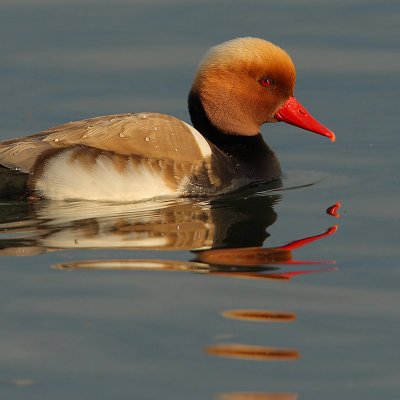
(256, 353)
(333, 210)
(278, 276)
(260, 315)
(244, 256)
(257, 396)
(259, 255)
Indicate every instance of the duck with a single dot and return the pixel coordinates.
(239, 85)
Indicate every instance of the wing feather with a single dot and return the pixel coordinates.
(149, 135)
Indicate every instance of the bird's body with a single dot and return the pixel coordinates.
(131, 157)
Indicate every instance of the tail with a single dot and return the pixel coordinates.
(13, 184)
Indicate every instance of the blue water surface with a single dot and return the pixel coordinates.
(146, 330)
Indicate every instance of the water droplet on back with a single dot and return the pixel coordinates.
(147, 139)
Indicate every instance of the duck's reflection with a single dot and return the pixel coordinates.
(161, 225)
(225, 235)
(248, 262)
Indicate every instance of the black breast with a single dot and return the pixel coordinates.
(250, 155)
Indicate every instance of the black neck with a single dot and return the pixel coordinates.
(250, 151)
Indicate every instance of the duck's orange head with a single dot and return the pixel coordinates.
(246, 82)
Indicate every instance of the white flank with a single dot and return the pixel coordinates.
(204, 147)
(64, 179)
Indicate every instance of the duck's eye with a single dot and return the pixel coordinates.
(265, 81)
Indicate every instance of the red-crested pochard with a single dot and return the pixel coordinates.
(240, 85)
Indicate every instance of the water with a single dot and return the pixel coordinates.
(156, 332)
